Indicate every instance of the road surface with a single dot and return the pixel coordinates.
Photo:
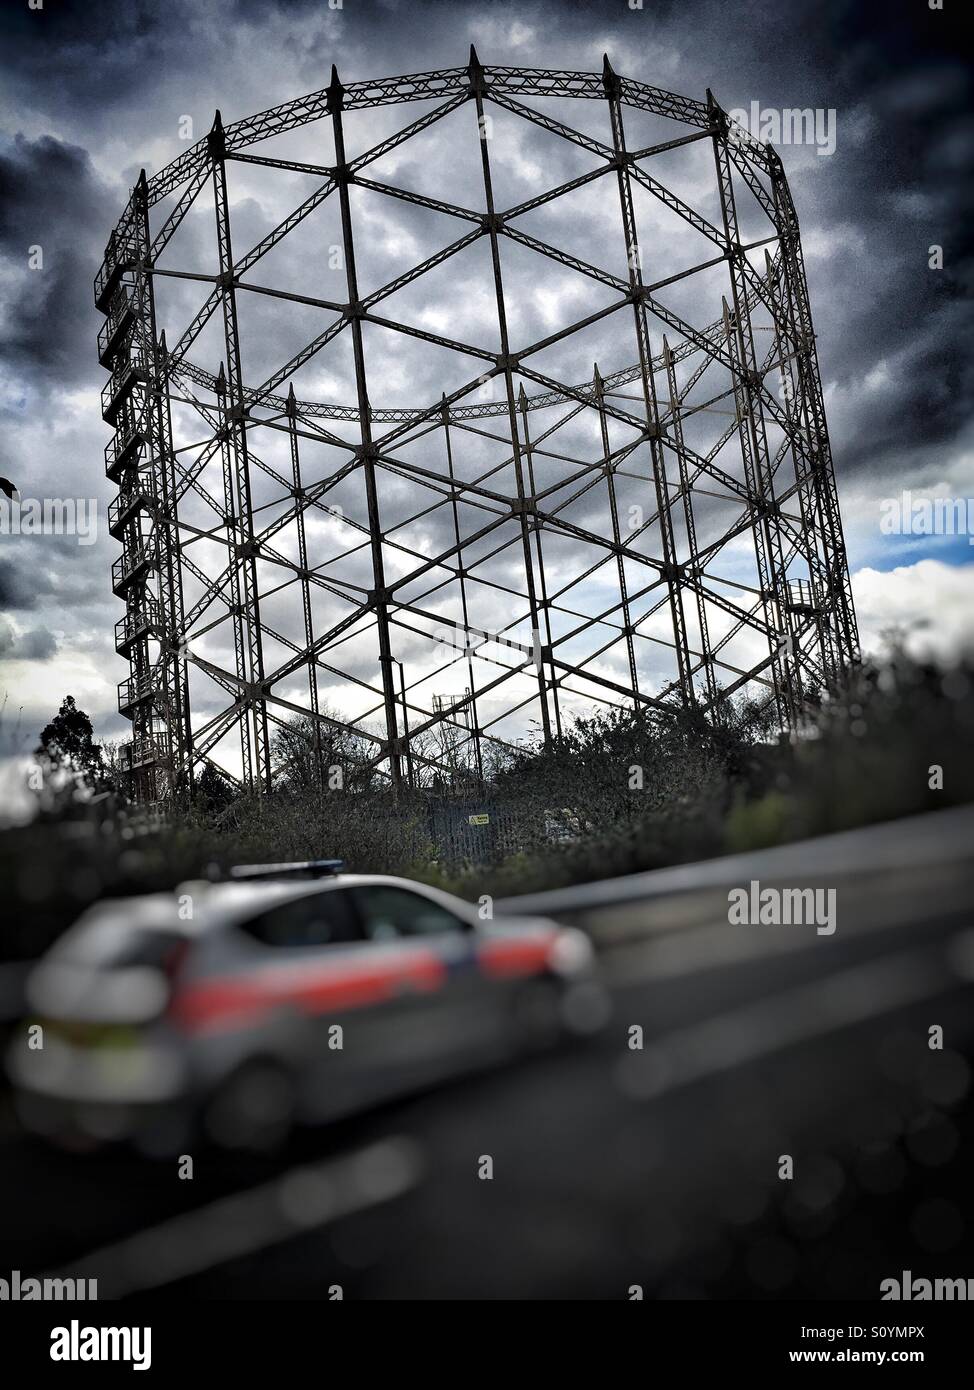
(614, 1169)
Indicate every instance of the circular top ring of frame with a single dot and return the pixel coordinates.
(452, 87)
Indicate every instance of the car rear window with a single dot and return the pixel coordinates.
(116, 942)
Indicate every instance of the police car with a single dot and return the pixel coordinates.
(284, 994)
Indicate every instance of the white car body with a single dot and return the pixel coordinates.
(252, 1004)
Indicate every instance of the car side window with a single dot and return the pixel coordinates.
(387, 913)
(319, 919)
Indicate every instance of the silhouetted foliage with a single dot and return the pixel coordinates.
(67, 743)
(214, 791)
(307, 753)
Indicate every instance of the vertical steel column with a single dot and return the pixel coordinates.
(754, 445)
(232, 522)
(246, 557)
(410, 781)
(796, 409)
(598, 388)
(167, 531)
(478, 87)
(677, 416)
(793, 269)
(367, 451)
(536, 528)
(671, 569)
(445, 410)
(305, 575)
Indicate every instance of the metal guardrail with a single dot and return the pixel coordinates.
(801, 595)
(128, 438)
(119, 388)
(128, 564)
(915, 842)
(140, 752)
(121, 254)
(146, 618)
(121, 507)
(134, 690)
(121, 313)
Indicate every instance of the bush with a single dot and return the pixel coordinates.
(897, 740)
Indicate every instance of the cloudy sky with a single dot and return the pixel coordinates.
(94, 93)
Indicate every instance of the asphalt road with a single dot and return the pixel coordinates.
(612, 1167)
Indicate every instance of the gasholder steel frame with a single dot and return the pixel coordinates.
(801, 608)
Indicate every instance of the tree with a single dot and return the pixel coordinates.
(67, 744)
(214, 791)
(115, 770)
(303, 742)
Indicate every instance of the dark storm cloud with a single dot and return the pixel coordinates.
(37, 572)
(900, 188)
(37, 644)
(51, 199)
(89, 56)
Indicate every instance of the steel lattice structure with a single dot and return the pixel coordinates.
(665, 532)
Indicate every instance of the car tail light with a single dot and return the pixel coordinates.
(172, 967)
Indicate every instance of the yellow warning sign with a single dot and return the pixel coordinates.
(481, 819)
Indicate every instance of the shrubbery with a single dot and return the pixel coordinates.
(616, 794)
(898, 740)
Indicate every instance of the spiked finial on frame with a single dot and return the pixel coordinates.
(216, 140)
(475, 71)
(336, 92)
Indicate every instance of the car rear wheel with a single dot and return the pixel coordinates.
(253, 1109)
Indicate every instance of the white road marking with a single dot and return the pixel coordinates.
(241, 1224)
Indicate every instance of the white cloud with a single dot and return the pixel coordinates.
(932, 603)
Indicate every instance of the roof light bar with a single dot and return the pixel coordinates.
(308, 868)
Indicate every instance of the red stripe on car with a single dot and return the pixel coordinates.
(504, 958)
(233, 1000)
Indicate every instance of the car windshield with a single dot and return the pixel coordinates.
(387, 911)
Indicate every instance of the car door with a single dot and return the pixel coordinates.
(446, 1015)
(325, 994)
(378, 985)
